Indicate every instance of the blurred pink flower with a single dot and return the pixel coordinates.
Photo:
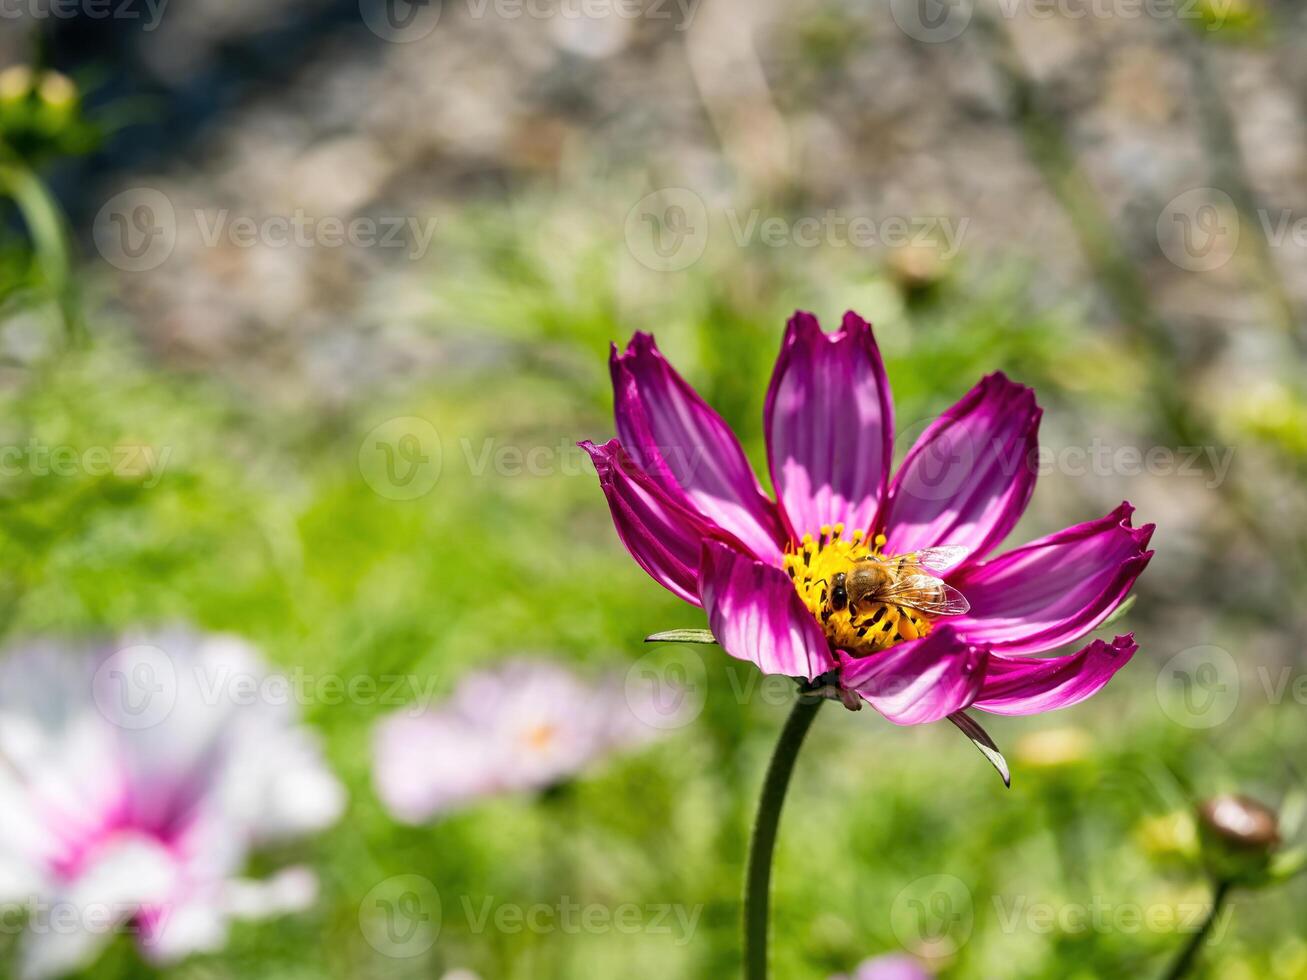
(888, 968)
(133, 786)
(770, 574)
(522, 725)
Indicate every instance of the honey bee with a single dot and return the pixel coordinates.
(901, 580)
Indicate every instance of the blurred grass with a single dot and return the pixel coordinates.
(263, 524)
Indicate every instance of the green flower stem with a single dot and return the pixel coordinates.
(48, 230)
(758, 883)
(1189, 955)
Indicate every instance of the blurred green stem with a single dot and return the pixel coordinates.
(45, 224)
(1189, 955)
(1060, 811)
(758, 883)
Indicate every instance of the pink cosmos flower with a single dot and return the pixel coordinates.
(888, 968)
(134, 785)
(523, 725)
(691, 512)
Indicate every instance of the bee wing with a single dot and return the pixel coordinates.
(935, 559)
(927, 594)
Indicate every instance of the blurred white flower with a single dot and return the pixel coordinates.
(523, 725)
(133, 785)
(890, 967)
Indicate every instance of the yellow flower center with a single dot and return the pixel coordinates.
(540, 737)
(859, 628)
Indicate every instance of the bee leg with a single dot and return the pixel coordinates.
(906, 629)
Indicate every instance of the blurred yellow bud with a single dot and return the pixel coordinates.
(57, 90)
(1169, 836)
(15, 83)
(916, 267)
(1053, 748)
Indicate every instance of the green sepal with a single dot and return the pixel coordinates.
(682, 636)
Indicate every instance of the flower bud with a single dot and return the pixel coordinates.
(15, 83)
(916, 269)
(1239, 837)
(57, 91)
(1170, 839)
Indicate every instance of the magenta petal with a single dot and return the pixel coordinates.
(688, 449)
(830, 425)
(1029, 685)
(1055, 590)
(662, 535)
(757, 616)
(921, 680)
(966, 481)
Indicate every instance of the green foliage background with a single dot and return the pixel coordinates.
(263, 524)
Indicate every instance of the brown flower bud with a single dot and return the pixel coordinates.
(1242, 822)
(1239, 836)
